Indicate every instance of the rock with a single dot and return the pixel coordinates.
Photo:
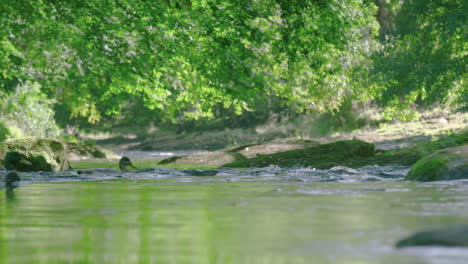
(446, 236)
(445, 164)
(318, 156)
(44, 154)
(442, 121)
(209, 158)
(281, 145)
(229, 155)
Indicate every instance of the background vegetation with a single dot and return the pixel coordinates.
(205, 64)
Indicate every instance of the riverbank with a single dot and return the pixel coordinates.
(385, 135)
(400, 143)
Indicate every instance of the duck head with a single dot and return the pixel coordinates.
(124, 162)
(13, 160)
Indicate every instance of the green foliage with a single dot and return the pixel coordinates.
(424, 61)
(125, 62)
(29, 110)
(185, 60)
(69, 139)
(4, 131)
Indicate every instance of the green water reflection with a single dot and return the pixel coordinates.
(130, 221)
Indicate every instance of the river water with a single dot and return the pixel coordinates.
(258, 215)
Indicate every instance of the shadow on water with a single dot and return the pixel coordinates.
(9, 194)
(11, 180)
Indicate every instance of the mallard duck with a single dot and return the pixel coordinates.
(12, 180)
(14, 160)
(123, 163)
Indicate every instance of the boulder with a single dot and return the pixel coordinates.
(44, 154)
(230, 155)
(445, 164)
(445, 236)
(339, 153)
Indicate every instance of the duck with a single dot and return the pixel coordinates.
(14, 161)
(124, 162)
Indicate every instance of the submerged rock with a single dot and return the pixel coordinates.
(446, 236)
(445, 164)
(44, 154)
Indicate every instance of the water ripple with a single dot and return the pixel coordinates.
(270, 173)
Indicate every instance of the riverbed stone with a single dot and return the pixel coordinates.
(445, 164)
(44, 154)
(444, 236)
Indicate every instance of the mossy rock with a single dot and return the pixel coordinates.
(445, 236)
(445, 164)
(276, 146)
(318, 156)
(44, 154)
(229, 155)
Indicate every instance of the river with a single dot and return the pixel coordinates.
(253, 216)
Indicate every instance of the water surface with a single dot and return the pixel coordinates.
(269, 215)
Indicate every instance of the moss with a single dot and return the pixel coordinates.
(409, 156)
(428, 168)
(350, 154)
(56, 146)
(403, 157)
(320, 156)
(44, 154)
(446, 164)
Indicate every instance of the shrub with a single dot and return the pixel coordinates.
(28, 109)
